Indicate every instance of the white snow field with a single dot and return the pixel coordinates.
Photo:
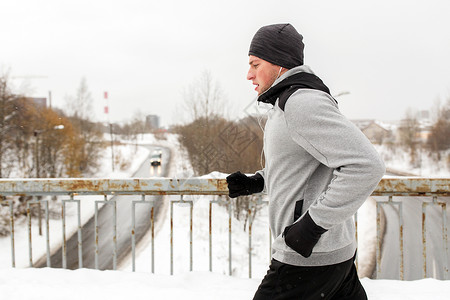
(83, 284)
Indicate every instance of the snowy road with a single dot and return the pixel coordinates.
(105, 221)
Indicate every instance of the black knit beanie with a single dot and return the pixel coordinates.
(279, 44)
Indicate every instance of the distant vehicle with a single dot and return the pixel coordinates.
(155, 158)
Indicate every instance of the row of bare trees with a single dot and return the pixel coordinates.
(36, 141)
(438, 141)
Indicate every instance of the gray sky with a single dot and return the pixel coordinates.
(390, 55)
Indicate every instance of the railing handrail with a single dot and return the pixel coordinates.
(388, 186)
(108, 186)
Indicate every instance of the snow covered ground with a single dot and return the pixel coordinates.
(29, 284)
(425, 165)
(22, 283)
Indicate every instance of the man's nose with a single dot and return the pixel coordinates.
(250, 75)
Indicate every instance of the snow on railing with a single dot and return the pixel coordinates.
(10, 189)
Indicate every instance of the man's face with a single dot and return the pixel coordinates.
(262, 73)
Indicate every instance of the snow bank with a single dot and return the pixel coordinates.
(58, 284)
(425, 164)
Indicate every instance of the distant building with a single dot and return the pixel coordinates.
(38, 102)
(424, 133)
(361, 124)
(424, 115)
(152, 121)
(418, 129)
(373, 130)
(424, 130)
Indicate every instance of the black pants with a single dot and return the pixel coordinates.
(339, 281)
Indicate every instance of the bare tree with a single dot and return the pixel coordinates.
(409, 131)
(7, 112)
(80, 105)
(439, 139)
(204, 98)
(80, 115)
(139, 123)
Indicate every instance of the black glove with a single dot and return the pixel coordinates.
(240, 184)
(303, 235)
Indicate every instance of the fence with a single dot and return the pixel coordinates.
(433, 191)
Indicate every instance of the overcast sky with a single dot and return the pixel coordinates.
(389, 54)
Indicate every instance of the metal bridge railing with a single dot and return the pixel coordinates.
(10, 189)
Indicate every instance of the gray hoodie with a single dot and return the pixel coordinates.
(316, 161)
